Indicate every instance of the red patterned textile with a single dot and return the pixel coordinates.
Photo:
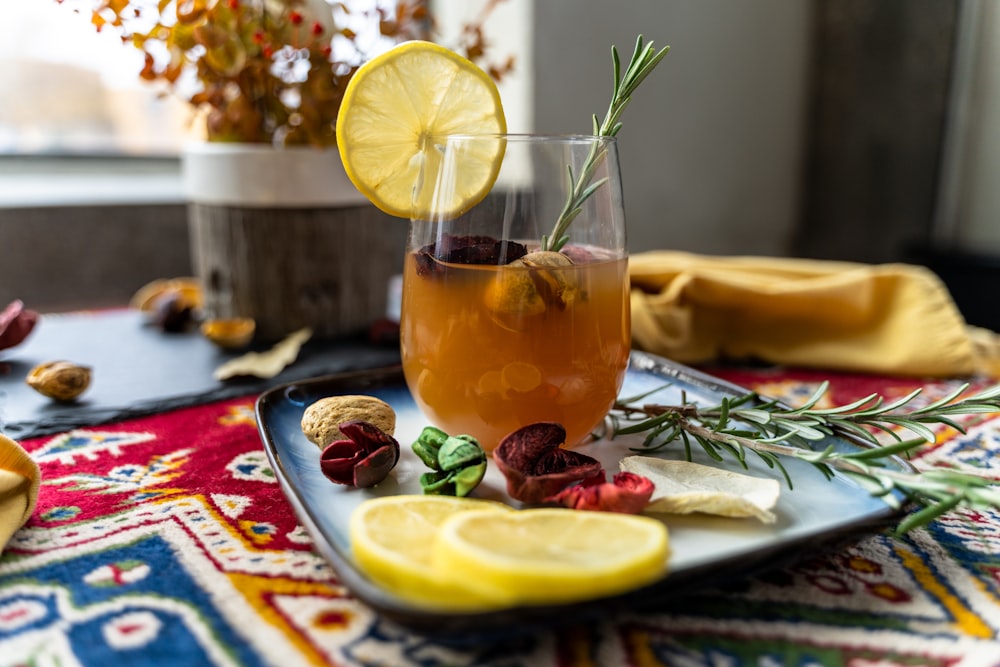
(165, 540)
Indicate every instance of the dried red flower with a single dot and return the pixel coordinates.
(362, 460)
(16, 322)
(433, 259)
(295, 18)
(626, 493)
(535, 464)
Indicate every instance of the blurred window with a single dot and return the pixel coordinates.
(68, 90)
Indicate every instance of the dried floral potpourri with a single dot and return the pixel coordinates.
(541, 286)
(16, 322)
(173, 313)
(321, 419)
(172, 304)
(59, 380)
(363, 459)
(458, 463)
(626, 493)
(684, 487)
(433, 259)
(535, 464)
(144, 299)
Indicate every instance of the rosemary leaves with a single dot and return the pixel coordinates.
(644, 59)
(747, 423)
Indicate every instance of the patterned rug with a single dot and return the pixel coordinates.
(165, 540)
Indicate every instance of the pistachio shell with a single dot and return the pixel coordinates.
(59, 380)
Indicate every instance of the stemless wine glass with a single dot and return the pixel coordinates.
(511, 316)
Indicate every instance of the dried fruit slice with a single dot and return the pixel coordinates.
(683, 487)
(394, 107)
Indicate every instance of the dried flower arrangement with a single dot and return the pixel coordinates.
(269, 71)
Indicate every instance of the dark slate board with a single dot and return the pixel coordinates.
(139, 369)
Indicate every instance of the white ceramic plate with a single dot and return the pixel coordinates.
(814, 512)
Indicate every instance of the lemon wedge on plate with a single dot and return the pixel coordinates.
(552, 556)
(391, 540)
(395, 106)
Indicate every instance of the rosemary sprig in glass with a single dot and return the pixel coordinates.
(770, 430)
(644, 58)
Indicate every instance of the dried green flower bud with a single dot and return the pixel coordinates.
(458, 462)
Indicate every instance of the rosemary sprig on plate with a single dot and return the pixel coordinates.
(770, 430)
(644, 58)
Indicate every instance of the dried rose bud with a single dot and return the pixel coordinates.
(364, 459)
(627, 493)
(16, 322)
(535, 464)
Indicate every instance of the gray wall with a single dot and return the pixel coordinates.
(712, 143)
(62, 258)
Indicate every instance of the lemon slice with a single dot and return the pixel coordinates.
(391, 541)
(394, 107)
(542, 556)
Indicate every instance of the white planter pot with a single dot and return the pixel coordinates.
(258, 175)
(282, 236)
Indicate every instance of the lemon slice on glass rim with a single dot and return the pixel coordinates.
(395, 106)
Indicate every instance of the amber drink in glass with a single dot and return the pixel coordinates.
(506, 318)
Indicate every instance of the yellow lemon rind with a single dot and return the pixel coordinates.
(410, 580)
(383, 152)
(542, 581)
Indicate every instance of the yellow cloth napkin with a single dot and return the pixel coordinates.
(888, 318)
(19, 480)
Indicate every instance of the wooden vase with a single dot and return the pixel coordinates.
(282, 236)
